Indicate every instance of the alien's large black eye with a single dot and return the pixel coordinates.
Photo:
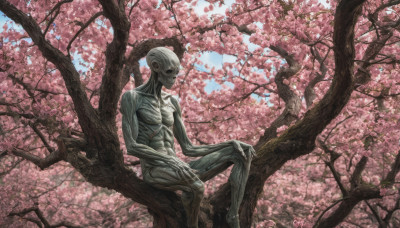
(169, 71)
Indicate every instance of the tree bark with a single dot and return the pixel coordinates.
(299, 139)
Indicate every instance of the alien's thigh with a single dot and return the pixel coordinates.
(167, 178)
(212, 164)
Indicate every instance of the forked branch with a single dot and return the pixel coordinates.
(292, 101)
(360, 192)
(390, 177)
(309, 93)
(56, 7)
(41, 221)
(42, 163)
(331, 165)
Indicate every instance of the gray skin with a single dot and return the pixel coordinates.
(151, 119)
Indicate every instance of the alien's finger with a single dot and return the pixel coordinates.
(183, 175)
(186, 173)
(189, 177)
(253, 152)
(239, 149)
(191, 172)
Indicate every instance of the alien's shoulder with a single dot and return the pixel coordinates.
(132, 98)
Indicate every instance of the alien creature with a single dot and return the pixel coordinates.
(151, 119)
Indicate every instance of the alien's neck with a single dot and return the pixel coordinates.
(153, 87)
(157, 90)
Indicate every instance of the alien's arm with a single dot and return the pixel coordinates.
(130, 130)
(191, 150)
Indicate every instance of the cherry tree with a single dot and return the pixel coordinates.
(313, 87)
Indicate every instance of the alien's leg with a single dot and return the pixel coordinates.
(168, 178)
(212, 164)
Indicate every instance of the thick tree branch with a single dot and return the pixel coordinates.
(42, 163)
(24, 212)
(357, 193)
(65, 224)
(362, 75)
(284, 91)
(110, 89)
(309, 93)
(292, 101)
(137, 75)
(356, 177)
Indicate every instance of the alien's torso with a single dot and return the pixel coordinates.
(155, 120)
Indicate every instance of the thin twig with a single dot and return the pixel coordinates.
(83, 28)
(340, 122)
(133, 6)
(326, 210)
(56, 7)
